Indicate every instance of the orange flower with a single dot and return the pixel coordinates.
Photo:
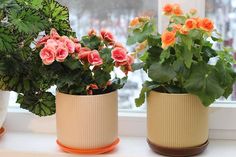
(184, 30)
(168, 39)
(190, 24)
(193, 11)
(177, 10)
(134, 22)
(167, 9)
(206, 24)
(177, 27)
(198, 21)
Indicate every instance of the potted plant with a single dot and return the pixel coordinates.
(21, 22)
(85, 73)
(186, 76)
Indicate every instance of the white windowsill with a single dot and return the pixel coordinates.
(18, 144)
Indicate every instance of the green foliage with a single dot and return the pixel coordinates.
(204, 83)
(147, 87)
(161, 72)
(20, 65)
(42, 104)
(92, 42)
(186, 65)
(140, 33)
(26, 21)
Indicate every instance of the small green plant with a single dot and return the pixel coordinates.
(182, 59)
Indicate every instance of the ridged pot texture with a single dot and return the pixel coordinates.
(87, 122)
(176, 120)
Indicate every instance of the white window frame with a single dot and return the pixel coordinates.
(222, 115)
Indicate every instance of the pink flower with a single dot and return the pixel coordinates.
(117, 44)
(54, 34)
(77, 47)
(119, 54)
(42, 41)
(94, 58)
(75, 40)
(47, 54)
(84, 52)
(70, 45)
(107, 36)
(61, 54)
(52, 43)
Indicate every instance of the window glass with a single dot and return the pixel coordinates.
(223, 12)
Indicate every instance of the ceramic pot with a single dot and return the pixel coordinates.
(177, 124)
(4, 100)
(87, 124)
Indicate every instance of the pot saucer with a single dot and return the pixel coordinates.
(89, 151)
(178, 152)
(2, 131)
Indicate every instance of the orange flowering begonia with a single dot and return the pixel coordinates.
(191, 24)
(184, 30)
(176, 27)
(168, 39)
(206, 24)
(177, 10)
(134, 22)
(167, 9)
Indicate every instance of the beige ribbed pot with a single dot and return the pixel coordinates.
(176, 121)
(86, 122)
(4, 100)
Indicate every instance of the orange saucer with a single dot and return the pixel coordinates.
(89, 151)
(2, 131)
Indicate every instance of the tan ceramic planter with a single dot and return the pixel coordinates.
(4, 100)
(176, 121)
(86, 122)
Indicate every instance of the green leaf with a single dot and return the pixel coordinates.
(187, 56)
(141, 34)
(217, 39)
(195, 34)
(208, 52)
(137, 66)
(106, 55)
(118, 83)
(101, 77)
(27, 21)
(147, 87)
(225, 73)
(161, 72)
(154, 40)
(92, 42)
(40, 104)
(164, 55)
(72, 64)
(144, 56)
(7, 40)
(35, 4)
(204, 83)
(57, 16)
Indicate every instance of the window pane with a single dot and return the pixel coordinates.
(223, 12)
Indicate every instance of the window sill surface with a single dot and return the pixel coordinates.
(23, 144)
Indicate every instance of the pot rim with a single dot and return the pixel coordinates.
(173, 94)
(87, 96)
